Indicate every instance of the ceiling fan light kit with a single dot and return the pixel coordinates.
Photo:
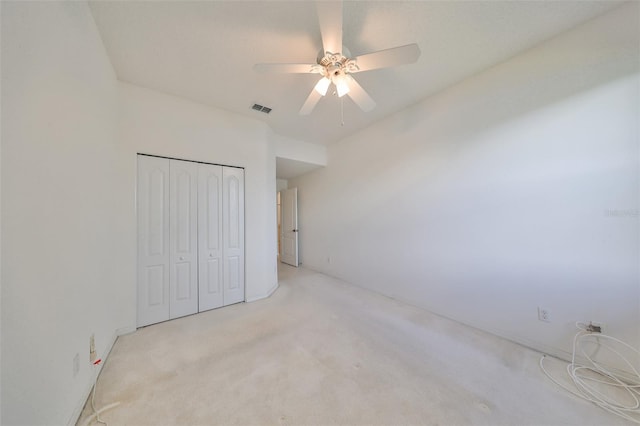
(336, 68)
(323, 85)
(341, 85)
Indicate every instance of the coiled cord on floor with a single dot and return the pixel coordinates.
(592, 377)
(93, 404)
(96, 413)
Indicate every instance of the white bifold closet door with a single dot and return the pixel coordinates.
(190, 238)
(233, 235)
(210, 236)
(153, 240)
(183, 237)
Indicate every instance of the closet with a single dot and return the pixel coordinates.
(190, 238)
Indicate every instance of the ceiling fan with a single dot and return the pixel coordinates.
(335, 65)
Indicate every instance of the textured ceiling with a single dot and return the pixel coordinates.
(205, 51)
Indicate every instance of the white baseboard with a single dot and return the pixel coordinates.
(124, 330)
(536, 346)
(263, 296)
(75, 416)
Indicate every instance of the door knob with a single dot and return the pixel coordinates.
(181, 258)
(210, 254)
(295, 230)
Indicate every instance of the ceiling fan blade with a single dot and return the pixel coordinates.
(330, 18)
(310, 103)
(359, 95)
(285, 68)
(388, 58)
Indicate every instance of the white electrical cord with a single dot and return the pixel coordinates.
(96, 413)
(93, 395)
(586, 378)
(89, 419)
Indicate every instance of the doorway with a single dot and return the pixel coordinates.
(289, 226)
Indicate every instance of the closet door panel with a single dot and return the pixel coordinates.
(209, 236)
(153, 240)
(233, 235)
(183, 283)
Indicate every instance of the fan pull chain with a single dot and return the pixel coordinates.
(342, 112)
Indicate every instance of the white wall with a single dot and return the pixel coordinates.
(281, 184)
(70, 134)
(514, 189)
(1, 137)
(61, 214)
(154, 123)
(298, 150)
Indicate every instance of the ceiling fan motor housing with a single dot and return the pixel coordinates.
(336, 64)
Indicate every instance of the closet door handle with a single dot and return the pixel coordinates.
(181, 258)
(210, 254)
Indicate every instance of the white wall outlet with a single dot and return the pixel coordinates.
(76, 364)
(92, 349)
(544, 314)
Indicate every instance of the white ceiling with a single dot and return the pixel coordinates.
(205, 51)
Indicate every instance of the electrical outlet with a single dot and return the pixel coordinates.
(92, 349)
(76, 364)
(595, 327)
(544, 314)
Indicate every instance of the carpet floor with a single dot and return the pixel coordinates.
(320, 351)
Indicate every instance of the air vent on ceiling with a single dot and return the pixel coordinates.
(261, 108)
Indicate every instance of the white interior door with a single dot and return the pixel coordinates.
(183, 284)
(209, 236)
(233, 234)
(153, 240)
(289, 201)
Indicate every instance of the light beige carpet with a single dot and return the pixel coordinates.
(320, 352)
